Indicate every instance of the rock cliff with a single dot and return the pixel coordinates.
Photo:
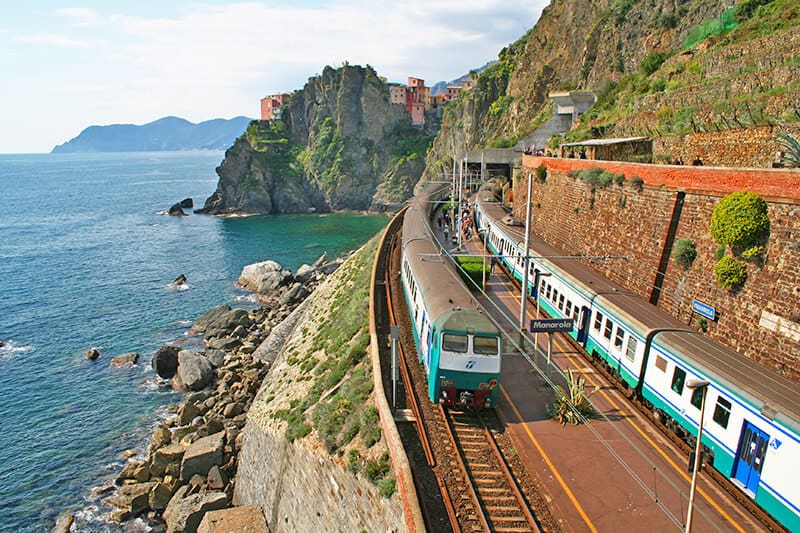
(644, 61)
(339, 145)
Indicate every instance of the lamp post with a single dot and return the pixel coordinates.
(696, 384)
(524, 298)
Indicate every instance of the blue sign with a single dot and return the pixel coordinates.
(552, 325)
(704, 310)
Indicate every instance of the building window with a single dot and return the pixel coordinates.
(722, 412)
(608, 328)
(598, 321)
(697, 397)
(661, 363)
(630, 353)
(618, 338)
(678, 379)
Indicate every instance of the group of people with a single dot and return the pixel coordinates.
(697, 162)
(464, 224)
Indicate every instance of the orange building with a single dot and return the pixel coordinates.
(271, 106)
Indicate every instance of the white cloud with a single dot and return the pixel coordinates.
(211, 60)
(52, 39)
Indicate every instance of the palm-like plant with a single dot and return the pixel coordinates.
(572, 406)
(790, 155)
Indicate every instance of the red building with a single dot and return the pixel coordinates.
(272, 105)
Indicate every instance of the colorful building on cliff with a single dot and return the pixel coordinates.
(272, 105)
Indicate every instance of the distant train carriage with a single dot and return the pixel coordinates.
(457, 344)
(752, 417)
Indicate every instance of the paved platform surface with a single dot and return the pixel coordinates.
(616, 473)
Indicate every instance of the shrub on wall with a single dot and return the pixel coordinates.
(685, 253)
(731, 274)
(541, 174)
(740, 221)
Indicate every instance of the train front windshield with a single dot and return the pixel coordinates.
(460, 344)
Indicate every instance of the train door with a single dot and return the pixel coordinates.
(583, 326)
(750, 459)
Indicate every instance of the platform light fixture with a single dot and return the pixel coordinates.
(694, 384)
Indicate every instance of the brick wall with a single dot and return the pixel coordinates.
(624, 221)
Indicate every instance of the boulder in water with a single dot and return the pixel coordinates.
(128, 359)
(264, 276)
(186, 203)
(194, 370)
(165, 361)
(176, 211)
(92, 354)
(180, 280)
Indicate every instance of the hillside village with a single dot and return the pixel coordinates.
(415, 96)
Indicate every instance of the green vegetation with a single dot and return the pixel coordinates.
(323, 159)
(731, 274)
(653, 61)
(472, 270)
(791, 150)
(685, 253)
(541, 174)
(716, 26)
(572, 405)
(740, 220)
(337, 406)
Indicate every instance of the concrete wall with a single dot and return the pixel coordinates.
(761, 321)
(303, 489)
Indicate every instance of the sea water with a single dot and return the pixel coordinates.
(86, 260)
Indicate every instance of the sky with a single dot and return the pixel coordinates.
(66, 65)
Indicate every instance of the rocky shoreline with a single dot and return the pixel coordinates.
(192, 457)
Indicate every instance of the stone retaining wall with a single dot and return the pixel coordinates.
(762, 321)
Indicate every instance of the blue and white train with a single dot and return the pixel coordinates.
(751, 427)
(457, 344)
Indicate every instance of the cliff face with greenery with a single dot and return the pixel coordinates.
(659, 68)
(339, 145)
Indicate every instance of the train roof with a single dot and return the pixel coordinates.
(777, 397)
(446, 297)
(758, 384)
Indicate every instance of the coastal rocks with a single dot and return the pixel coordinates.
(165, 361)
(200, 456)
(245, 519)
(263, 277)
(92, 354)
(186, 203)
(128, 359)
(192, 457)
(194, 371)
(176, 211)
(63, 522)
(184, 513)
(180, 280)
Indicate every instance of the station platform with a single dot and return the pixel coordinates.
(615, 473)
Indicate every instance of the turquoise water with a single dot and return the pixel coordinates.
(86, 257)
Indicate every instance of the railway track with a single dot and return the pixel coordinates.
(476, 485)
(492, 500)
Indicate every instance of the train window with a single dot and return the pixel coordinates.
(547, 293)
(722, 412)
(484, 345)
(630, 352)
(575, 313)
(608, 328)
(542, 283)
(598, 321)
(568, 310)
(697, 397)
(454, 343)
(661, 363)
(561, 302)
(619, 337)
(678, 379)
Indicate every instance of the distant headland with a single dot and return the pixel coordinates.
(164, 134)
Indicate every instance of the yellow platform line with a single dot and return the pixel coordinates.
(549, 463)
(655, 446)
